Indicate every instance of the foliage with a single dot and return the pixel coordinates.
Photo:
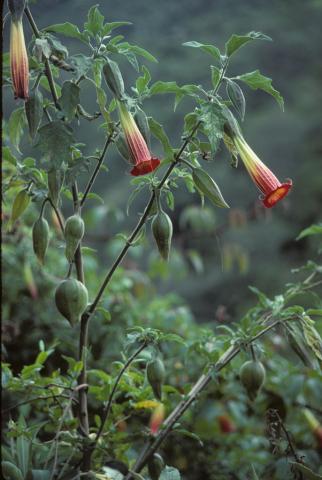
(50, 431)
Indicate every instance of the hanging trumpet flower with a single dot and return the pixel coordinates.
(140, 155)
(272, 189)
(18, 53)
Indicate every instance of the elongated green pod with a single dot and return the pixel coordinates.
(208, 187)
(162, 231)
(142, 122)
(113, 78)
(156, 375)
(20, 204)
(71, 299)
(74, 232)
(155, 466)
(40, 238)
(34, 111)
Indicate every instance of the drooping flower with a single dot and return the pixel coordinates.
(140, 155)
(272, 189)
(157, 418)
(18, 53)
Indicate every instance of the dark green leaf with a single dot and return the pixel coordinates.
(95, 21)
(19, 205)
(306, 471)
(207, 186)
(108, 27)
(8, 156)
(256, 80)
(55, 139)
(215, 75)
(11, 471)
(211, 49)
(17, 121)
(237, 41)
(158, 131)
(69, 99)
(68, 29)
(127, 47)
(211, 114)
(23, 446)
(312, 336)
(142, 82)
(34, 111)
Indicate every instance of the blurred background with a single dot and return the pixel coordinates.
(217, 253)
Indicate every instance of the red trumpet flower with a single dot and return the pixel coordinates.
(272, 189)
(18, 53)
(140, 155)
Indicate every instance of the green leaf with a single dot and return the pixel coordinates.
(237, 98)
(158, 131)
(20, 204)
(312, 336)
(95, 21)
(41, 474)
(215, 75)
(170, 473)
(16, 124)
(55, 139)
(192, 435)
(306, 471)
(68, 29)
(34, 111)
(211, 114)
(211, 49)
(142, 82)
(312, 230)
(69, 99)
(11, 471)
(108, 27)
(256, 80)
(127, 47)
(237, 41)
(295, 338)
(23, 445)
(8, 156)
(253, 473)
(208, 187)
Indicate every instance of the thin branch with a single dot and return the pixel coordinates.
(35, 399)
(97, 168)
(118, 378)
(198, 387)
(60, 220)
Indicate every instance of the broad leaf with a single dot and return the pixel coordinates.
(213, 120)
(55, 140)
(68, 29)
(17, 121)
(19, 205)
(211, 49)
(95, 21)
(69, 99)
(237, 41)
(108, 27)
(158, 131)
(256, 80)
(312, 230)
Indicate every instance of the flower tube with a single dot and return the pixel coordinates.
(140, 155)
(18, 53)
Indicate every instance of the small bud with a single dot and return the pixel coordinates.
(113, 78)
(40, 238)
(225, 424)
(74, 232)
(55, 182)
(34, 111)
(155, 466)
(156, 375)
(71, 299)
(162, 232)
(252, 376)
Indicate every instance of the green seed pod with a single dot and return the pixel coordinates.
(156, 375)
(40, 238)
(71, 299)
(155, 466)
(113, 78)
(142, 122)
(252, 376)
(236, 96)
(10, 471)
(74, 232)
(208, 187)
(55, 182)
(20, 204)
(162, 232)
(34, 111)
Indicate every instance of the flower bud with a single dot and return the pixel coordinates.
(157, 418)
(40, 238)
(71, 299)
(225, 424)
(113, 78)
(34, 111)
(143, 125)
(252, 376)
(162, 232)
(156, 375)
(155, 466)
(74, 232)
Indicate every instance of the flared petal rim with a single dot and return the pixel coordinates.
(276, 195)
(145, 167)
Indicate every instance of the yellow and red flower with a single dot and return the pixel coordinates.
(140, 155)
(18, 53)
(272, 189)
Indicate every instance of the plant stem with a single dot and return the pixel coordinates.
(98, 166)
(141, 222)
(48, 71)
(60, 220)
(118, 378)
(198, 387)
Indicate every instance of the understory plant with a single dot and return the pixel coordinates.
(124, 383)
